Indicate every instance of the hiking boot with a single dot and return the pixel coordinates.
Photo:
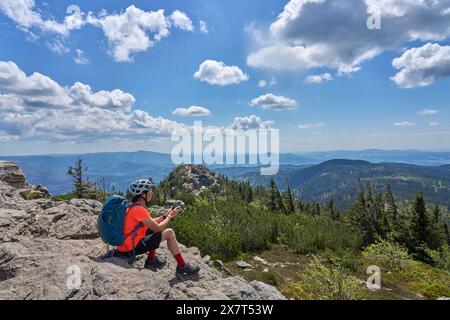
(154, 264)
(188, 269)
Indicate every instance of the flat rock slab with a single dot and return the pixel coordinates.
(70, 269)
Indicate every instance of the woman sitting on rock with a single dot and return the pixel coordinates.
(149, 237)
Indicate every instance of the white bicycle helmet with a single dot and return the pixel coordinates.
(140, 186)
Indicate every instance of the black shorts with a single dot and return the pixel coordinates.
(150, 242)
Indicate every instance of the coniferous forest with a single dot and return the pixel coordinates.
(403, 238)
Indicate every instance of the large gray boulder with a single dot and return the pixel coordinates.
(48, 269)
(12, 174)
(47, 246)
(45, 218)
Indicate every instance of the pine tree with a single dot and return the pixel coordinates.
(436, 213)
(314, 209)
(249, 193)
(369, 190)
(420, 225)
(359, 217)
(390, 205)
(77, 174)
(379, 219)
(241, 191)
(290, 207)
(279, 201)
(156, 199)
(447, 233)
(437, 236)
(275, 199)
(300, 205)
(272, 192)
(330, 209)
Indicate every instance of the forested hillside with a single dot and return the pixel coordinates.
(336, 180)
(409, 239)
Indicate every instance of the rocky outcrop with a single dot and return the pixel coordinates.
(75, 219)
(71, 269)
(51, 250)
(13, 180)
(193, 179)
(11, 174)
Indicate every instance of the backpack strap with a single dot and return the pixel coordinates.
(135, 229)
(133, 236)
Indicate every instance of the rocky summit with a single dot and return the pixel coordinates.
(193, 178)
(51, 250)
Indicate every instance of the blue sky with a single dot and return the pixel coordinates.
(359, 107)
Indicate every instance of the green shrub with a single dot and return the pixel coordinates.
(428, 281)
(309, 234)
(64, 197)
(387, 255)
(224, 228)
(187, 198)
(241, 227)
(34, 195)
(318, 281)
(346, 258)
(220, 243)
(440, 258)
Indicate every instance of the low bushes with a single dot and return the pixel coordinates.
(387, 255)
(440, 258)
(309, 234)
(223, 228)
(319, 281)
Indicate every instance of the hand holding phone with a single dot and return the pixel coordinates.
(174, 211)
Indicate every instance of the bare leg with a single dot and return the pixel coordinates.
(172, 242)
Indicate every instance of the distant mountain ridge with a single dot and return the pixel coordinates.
(313, 175)
(431, 158)
(337, 180)
(119, 168)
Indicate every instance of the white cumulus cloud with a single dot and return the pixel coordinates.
(251, 122)
(404, 124)
(132, 31)
(311, 125)
(262, 83)
(217, 73)
(328, 33)
(35, 107)
(80, 57)
(58, 47)
(181, 21)
(272, 102)
(127, 33)
(319, 78)
(193, 111)
(427, 112)
(23, 14)
(420, 67)
(203, 27)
